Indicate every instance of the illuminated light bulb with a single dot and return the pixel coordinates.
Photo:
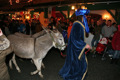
(82, 7)
(29, 0)
(27, 17)
(85, 7)
(73, 7)
(17, 1)
(106, 16)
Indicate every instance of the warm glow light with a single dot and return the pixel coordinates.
(17, 1)
(106, 16)
(83, 7)
(18, 18)
(73, 7)
(27, 12)
(27, 17)
(70, 16)
(29, 0)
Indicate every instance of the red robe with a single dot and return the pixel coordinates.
(116, 41)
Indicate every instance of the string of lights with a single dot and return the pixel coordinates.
(17, 1)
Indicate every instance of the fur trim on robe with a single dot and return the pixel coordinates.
(4, 42)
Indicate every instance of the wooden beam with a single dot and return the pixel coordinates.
(103, 6)
(63, 14)
(93, 7)
(112, 14)
(68, 14)
(64, 8)
(73, 14)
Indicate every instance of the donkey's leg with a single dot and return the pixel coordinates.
(38, 63)
(14, 61)
(34, 72)
(10, 64)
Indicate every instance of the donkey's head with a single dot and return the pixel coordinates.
(58, 40)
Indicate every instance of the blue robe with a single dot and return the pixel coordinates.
(75, 67)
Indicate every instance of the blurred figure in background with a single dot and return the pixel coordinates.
(92, 26)
(27, 27)
(69, 28)
(22, 27)
(116, 46)
(108, 30)
(96, 38)
(33, 26)
(52, 23)
(115, 25)
(38, 26)
(58, 26)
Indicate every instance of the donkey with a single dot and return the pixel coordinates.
(36, 48)
(41, 33)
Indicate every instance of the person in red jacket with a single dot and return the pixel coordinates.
(69, 28)
(116, 46)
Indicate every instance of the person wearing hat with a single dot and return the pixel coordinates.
(75, 67)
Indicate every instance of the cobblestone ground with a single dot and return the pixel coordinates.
(97, 69)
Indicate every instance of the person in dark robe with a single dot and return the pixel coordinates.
(75, 67)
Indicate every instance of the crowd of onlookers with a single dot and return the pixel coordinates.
(109, 30)
(28, 27)
(102, 28)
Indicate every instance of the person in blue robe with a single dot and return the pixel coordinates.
(75, 67)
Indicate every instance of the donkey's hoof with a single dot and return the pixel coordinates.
(18, 70)
(41, 76)
(35, 72)
(32, 73)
